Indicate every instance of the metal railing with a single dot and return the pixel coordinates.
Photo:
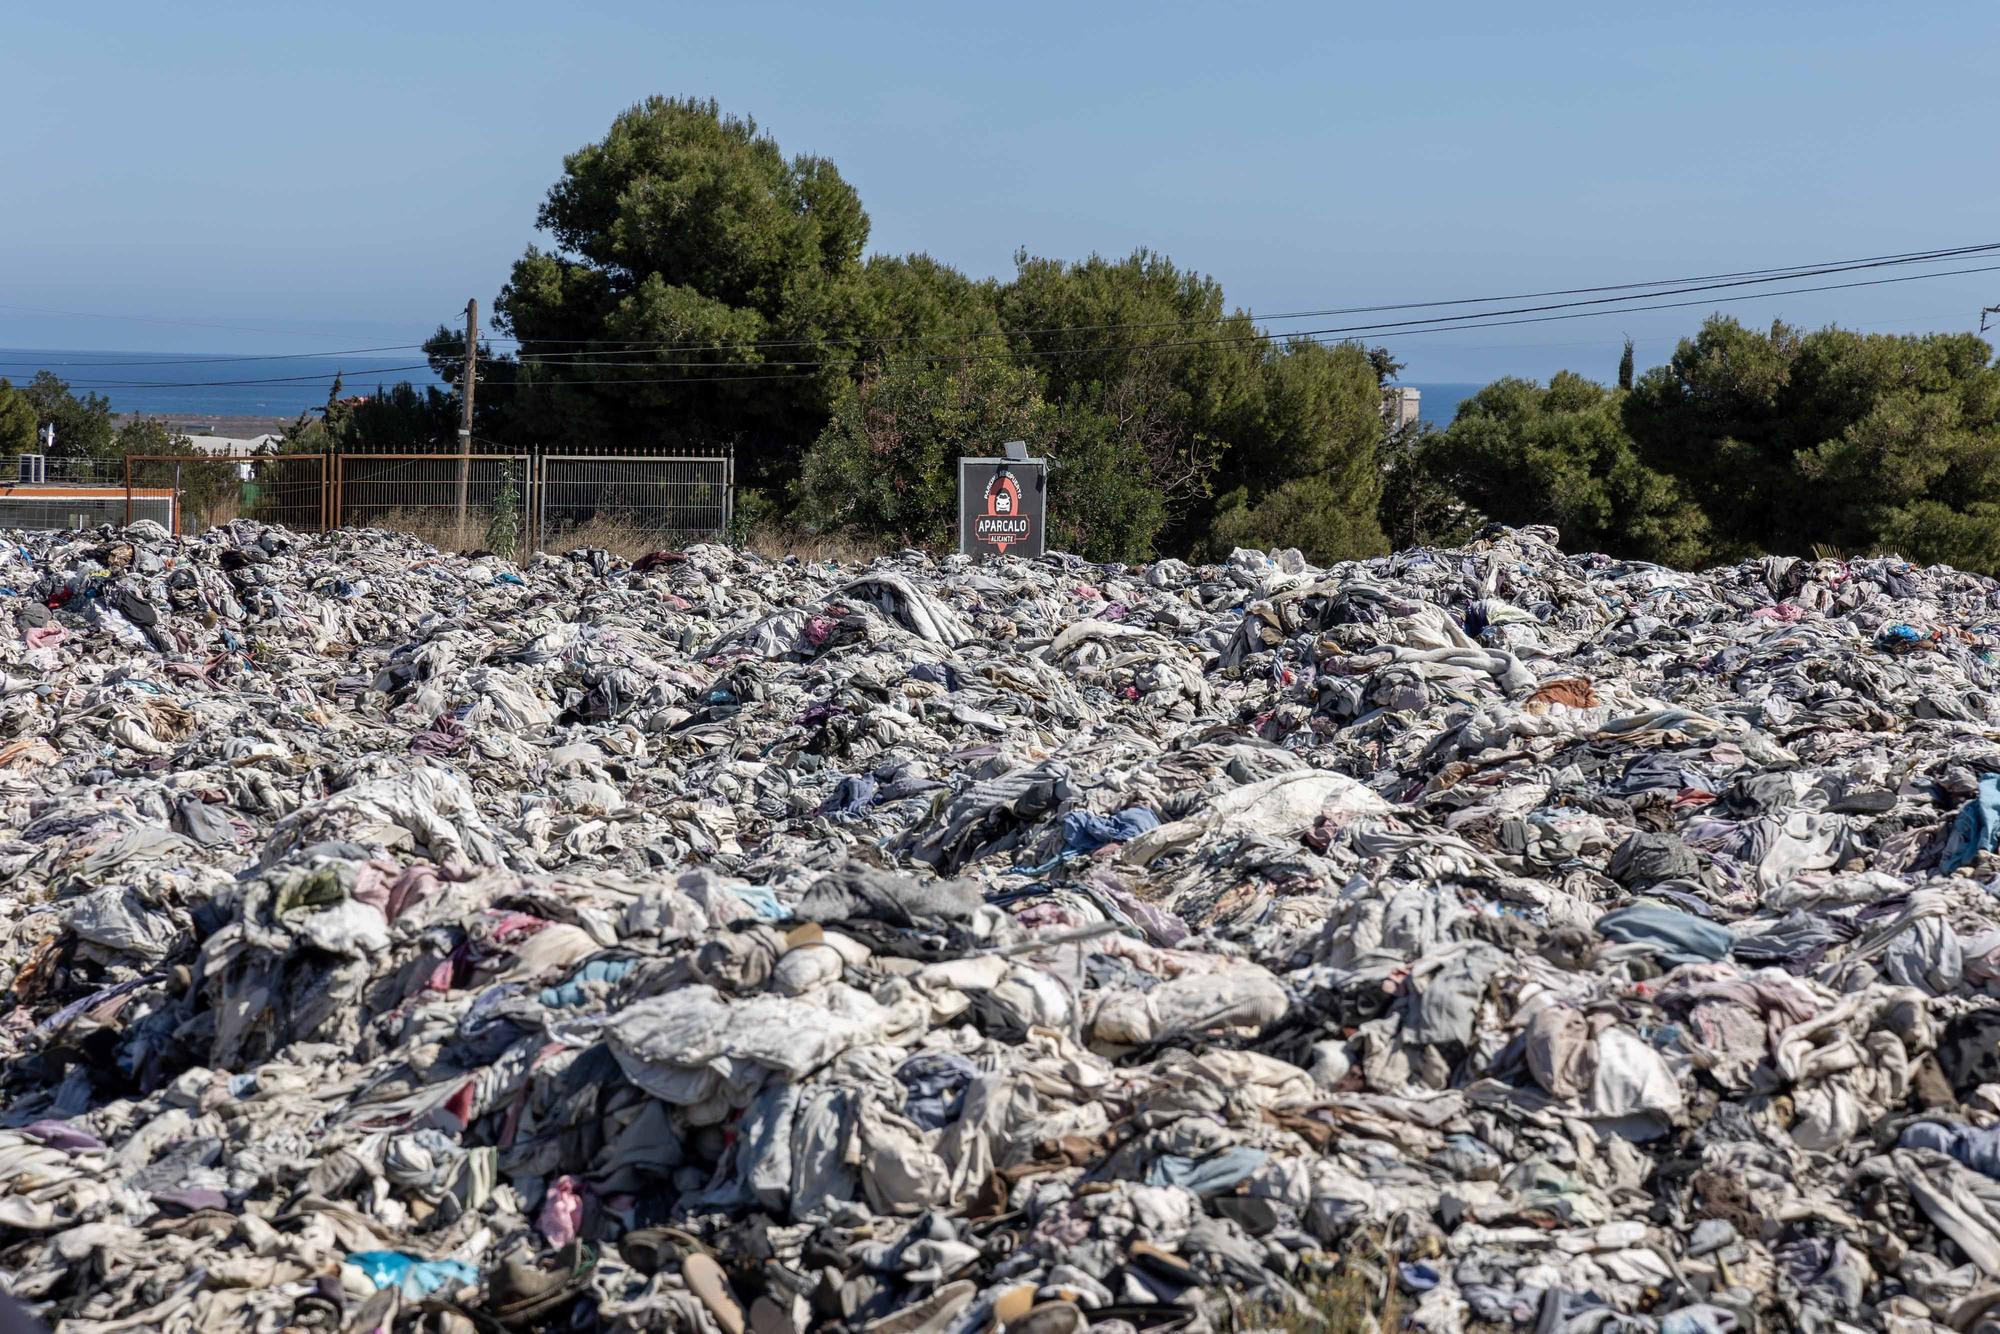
(508, 503)
(35, 468)
(455, 501)
(206, 490)
(666, 500)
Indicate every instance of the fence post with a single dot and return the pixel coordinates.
(128, 490)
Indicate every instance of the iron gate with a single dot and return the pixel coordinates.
(193, 492)
(453, 501)
(604, 501)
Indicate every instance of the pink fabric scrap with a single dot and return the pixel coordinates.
(513, 926)
(562, 1212)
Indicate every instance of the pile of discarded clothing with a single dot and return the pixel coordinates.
(1498, 938)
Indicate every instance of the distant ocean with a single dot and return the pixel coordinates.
(204, 384)
(220, 384)
(1439, 403)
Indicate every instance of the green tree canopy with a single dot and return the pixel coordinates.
(150, 435)
(18, 423)
(1420, 507)
(914, 308)
(1310, 513)
(85, 427)
(1524, 453)
(887, 463)
(1151, 349)
(697, 278)
(1306, 467)
(1155, 390)
(397, 417)
(1791, 440)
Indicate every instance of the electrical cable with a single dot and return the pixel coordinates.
(1343, 334)
(718, 371)
(1778, 274)
(220, 384)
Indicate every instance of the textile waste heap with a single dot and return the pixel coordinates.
(394, 939)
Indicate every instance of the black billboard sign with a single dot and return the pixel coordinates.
(1002, 507)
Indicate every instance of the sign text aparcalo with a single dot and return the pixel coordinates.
(1002, 507)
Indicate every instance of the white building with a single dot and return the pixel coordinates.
(228, 446)
(1401, 406)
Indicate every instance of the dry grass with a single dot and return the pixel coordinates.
(777, 542)
(620, 537)
(626, 539)
(214, 514)
(1344, 1302)
(442, 529)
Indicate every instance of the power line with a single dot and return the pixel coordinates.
(1391, 329)
(1682, 305)
(1447, 321)
(1750, 276)
(1435, 319)
(1900, 324)
(1396, 329)
(220, 384)
(1770, 274)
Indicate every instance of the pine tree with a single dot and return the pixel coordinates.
(1625, 367)
(18, 423)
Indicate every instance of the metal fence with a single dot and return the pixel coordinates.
(458, 501)
(510, 503)
(206, 490)
(39, 469)
(54, 494)
(594, 500)
(53, 507)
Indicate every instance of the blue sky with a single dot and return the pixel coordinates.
(320, 177)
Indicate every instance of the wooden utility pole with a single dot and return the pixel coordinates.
(467, 382)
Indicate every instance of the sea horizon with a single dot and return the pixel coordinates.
(196, 384)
